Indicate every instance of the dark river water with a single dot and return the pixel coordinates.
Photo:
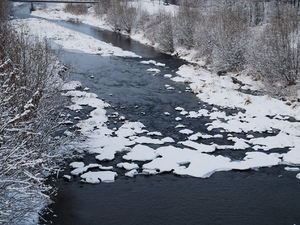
(266, 197)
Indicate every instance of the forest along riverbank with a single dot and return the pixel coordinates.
(145, 123)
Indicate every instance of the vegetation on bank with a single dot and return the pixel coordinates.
(260, 37)
(30, 115)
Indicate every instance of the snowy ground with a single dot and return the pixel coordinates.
(257, 115)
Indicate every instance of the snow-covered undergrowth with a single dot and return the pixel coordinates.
(31, 117)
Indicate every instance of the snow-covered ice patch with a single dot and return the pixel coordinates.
(97, 177)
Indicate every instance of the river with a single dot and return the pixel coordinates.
(268, 196)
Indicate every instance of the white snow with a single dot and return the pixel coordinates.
(153, 63)
(140, 153)
(69, 39)
(77, 165)
(199, 147)
(154, 70)
(179, 109)
(131, 173)
(292, 169)
(180, 126)
(72, 85)
(128, 166)
(186, 131)
(97, 177)
(155, 133)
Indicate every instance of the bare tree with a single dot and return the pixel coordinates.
(275, 53)
(76, 8)
(30, 109)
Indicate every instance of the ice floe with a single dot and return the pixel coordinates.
(140, 153)
(100, 176)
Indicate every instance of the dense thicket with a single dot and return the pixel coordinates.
(30, 108)
(230, 35)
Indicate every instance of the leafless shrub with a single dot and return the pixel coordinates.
(229, 36)
(30, 109)
(3, 9)
(76, 8)
(184, 25)
(160, 31)
(121, 15)
(102, 7)
(275, 53)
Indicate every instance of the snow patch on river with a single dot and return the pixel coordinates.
(193, 159)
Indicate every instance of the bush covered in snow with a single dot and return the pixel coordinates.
(30, 115)
(76, 8)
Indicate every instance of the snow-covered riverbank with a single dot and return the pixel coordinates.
(257, 114)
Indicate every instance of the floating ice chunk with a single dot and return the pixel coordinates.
(131, 173)
(178, 119)
(186, 131)
(77, 165)
(184, 113)
(298, 176)
(106, 156)
(154, 70)
(281, 140)
(125, 132)
(167, 113)
(256, 160)
(67, 177)
(168, 75)
(122, 118)
(137, 127)
(167, 140)
(149, 172)
(292, 169)
(172, 158)
(130, 129)
(128, 166)
(180, 126)
(179, 109)
(140, 153)
(239, 143)
(201, 112)
(96, 177)
(148, 140)
(79, 171)
(170, 88)
(72, 85)
(105, 167)
(218, 136)
(293, 156)
(155, 133)
(199, 147)
(153, 63)
(198, 135)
